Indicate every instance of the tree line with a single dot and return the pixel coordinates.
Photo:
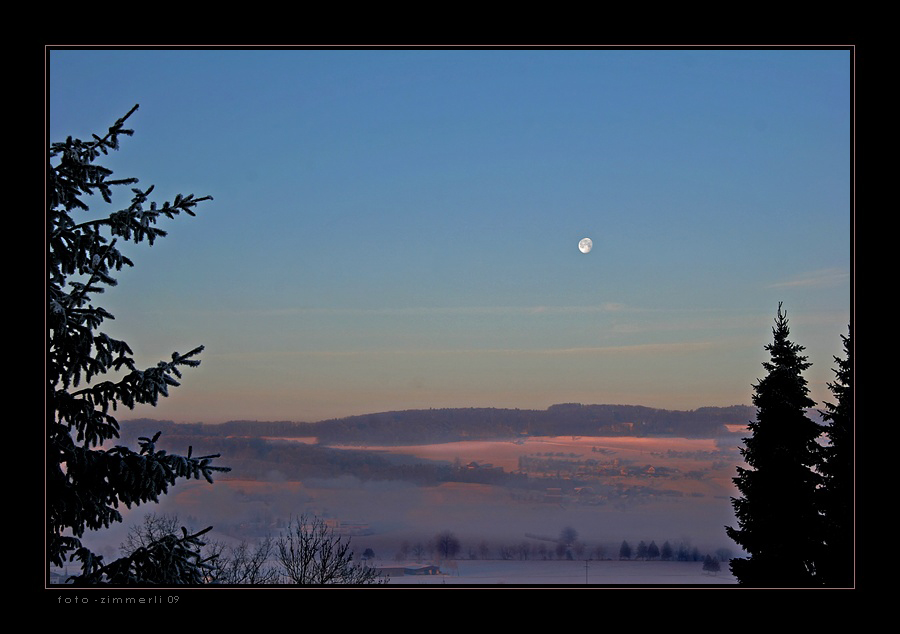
(308, 551)
(567, 546)
(427, 426)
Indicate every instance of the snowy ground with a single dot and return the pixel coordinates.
(552, 573)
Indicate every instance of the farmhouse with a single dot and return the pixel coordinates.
(410, 569)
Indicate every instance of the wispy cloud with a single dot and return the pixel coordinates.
(814, 279)
(644, 348)
(608, 307)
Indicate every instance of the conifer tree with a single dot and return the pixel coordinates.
(710, 564)
(778, 521)
(86, 482)
(836, 563)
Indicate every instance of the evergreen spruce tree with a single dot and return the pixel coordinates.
(778, 521)
(836, 562)
(86, 482)
(710, 564)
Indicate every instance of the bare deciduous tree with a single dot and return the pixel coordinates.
(245, 564)
(311, 553)
(447, 545)
(418, 551)
(568, 535)
(155, 552)
(151, 530)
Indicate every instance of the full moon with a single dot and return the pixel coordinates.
(585, 245)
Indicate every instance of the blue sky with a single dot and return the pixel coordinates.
(398, 229)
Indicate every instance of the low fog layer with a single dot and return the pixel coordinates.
(490, 495)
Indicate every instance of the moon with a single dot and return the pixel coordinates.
(585, 245)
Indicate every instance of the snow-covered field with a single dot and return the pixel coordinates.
(571, 573)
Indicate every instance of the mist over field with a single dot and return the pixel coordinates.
(506, 499)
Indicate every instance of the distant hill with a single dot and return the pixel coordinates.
(422, 426)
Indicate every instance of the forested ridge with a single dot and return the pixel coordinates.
(349, 446)
(425, 426)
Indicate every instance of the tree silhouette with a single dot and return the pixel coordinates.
(836, 562)
(779, 524)
(85, 484)
(235, 564)
(244, 563)
(710, 564)
(624, 550)
(568, 535)
(310, 553)
(447, 545)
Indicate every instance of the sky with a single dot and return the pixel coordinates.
(398, 229)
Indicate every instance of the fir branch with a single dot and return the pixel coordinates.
(86, 484)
